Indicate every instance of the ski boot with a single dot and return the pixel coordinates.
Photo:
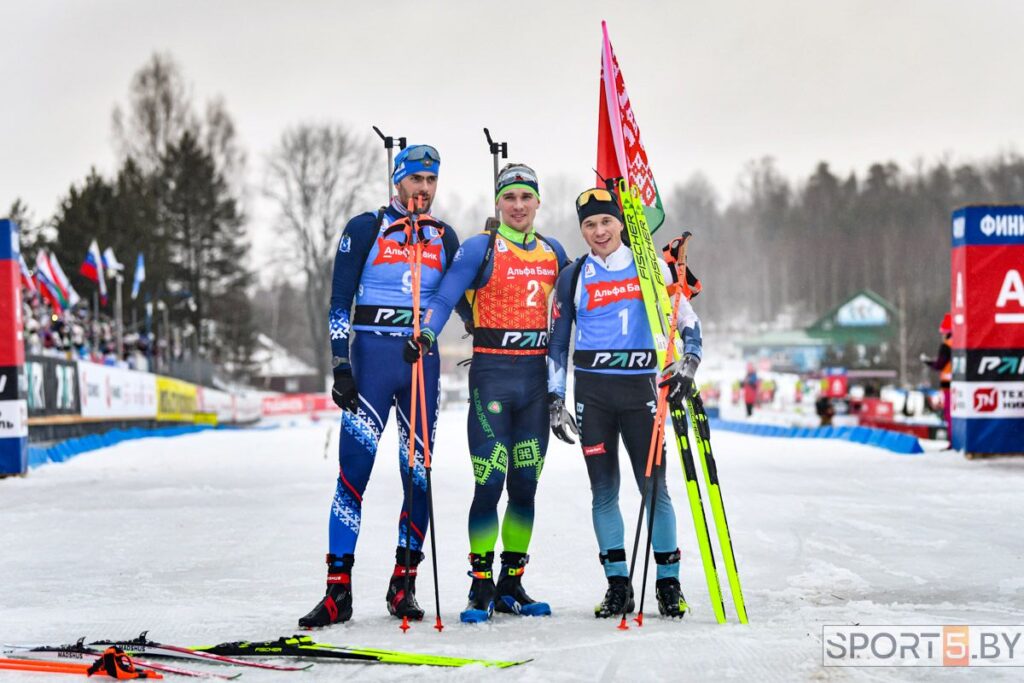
(617, 599)
(511, 596)
(481, 591)
(336, 606)
(671, 602)
(400, 603)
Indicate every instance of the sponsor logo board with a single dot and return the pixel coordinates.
(987, 399)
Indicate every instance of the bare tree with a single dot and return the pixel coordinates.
(160, 111)
(220, 139)
(319, 176)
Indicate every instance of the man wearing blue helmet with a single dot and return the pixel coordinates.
(371, 271)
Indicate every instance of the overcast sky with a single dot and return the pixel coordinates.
(713, 84)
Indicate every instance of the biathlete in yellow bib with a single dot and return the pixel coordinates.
(506, 277)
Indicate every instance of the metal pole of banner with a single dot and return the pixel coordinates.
(118, 314)
(166, 334)
(903, 337)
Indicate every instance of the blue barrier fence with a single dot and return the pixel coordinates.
(904, 444)
(65, 450)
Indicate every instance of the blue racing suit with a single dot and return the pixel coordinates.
(373, 272)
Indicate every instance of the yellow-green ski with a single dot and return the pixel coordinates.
(702, 432)
(304, 647)
(700, 524)
(652, 283)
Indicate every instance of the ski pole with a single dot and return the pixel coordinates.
(659, 435)
(417, 282)
(653, 458)
(430, 495)
(411, 252)
(496, 149)
(389, 145)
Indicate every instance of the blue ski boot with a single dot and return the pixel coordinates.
(481, 591)
(512, 597)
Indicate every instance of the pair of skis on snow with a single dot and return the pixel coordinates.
(75, 658)
(661, 318)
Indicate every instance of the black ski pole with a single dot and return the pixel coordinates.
(433, 552)
(647, 551)
(389, 145)
(636, 544)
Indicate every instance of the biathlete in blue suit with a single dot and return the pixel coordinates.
(506, 275)
(371, 271)
(616, 392)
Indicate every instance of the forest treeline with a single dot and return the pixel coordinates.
(781, 252)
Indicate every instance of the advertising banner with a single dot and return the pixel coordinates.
(116, 393)
(987, 306)
(13, 417)
(220, 403)
(51, 386)
(177, 401)
(296, 404)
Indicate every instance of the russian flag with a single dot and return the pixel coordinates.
(92, 269)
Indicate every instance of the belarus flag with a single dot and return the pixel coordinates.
(62, 281)
(48, 283)
(620, 153)
(92, 269)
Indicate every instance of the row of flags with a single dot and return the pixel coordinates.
(53, 284)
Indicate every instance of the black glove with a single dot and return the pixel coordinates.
(926, 360)
(561, 419)
(414, 348)
(678, 377)
(344, 391)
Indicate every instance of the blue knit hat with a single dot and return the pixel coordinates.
(416, 159)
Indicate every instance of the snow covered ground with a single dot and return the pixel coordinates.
(221, 536)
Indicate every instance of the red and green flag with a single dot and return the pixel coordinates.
(620, 152)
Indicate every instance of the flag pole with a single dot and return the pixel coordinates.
(118, 315)
(96, 319)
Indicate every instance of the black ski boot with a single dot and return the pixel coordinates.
(481, 591)
(618, 598)
(511, 596)
(401, 603)
(336, 606)
(671, 602)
